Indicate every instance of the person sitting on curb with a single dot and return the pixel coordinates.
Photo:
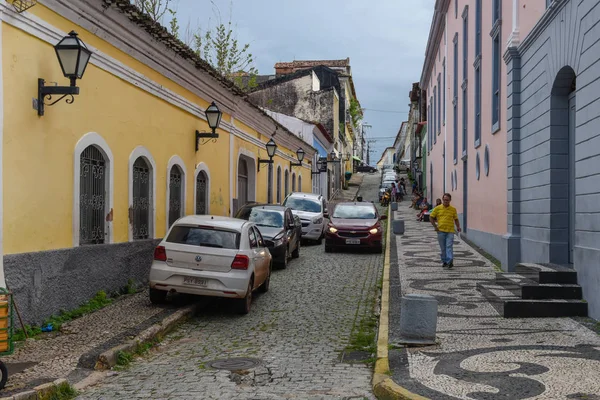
(424, 207)
(443, 218)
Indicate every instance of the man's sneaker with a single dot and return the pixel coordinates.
(451, 265)
(444, 265)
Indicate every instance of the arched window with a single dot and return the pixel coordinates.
(176, 193)
(92, 196)
(299, 183)
(201, 193)
(278, 184)
(142, 200)
(242, 182)
(293, 182)
(286, 185)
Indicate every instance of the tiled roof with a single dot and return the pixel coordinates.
(313, 63)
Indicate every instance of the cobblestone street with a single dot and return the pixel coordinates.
(298, 332)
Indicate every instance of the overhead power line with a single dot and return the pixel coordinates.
(385, 111)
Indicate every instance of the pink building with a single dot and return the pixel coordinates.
(465, 79)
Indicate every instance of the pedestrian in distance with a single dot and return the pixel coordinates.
(444, 218)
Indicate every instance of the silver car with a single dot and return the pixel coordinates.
(211, 256)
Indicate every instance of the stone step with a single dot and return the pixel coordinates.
(547, 273)
(507, 304)
(527, 288)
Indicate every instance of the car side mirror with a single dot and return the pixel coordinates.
(382, 217)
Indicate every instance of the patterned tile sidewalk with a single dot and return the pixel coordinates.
(481, 355)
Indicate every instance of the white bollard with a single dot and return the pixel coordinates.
(398, 227)
(418, 319)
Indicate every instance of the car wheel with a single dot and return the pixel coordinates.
(296, 252)
(283, 264)
(245, 304)
(157, 296)
(264, 288)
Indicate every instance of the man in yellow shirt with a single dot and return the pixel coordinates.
(443, 218)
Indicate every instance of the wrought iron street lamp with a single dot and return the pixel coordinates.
(73, 56)
(271, 149)
(213, 117)
(300, 155)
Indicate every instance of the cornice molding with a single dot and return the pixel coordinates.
(436, 31)
(116, 29)
(551, 12)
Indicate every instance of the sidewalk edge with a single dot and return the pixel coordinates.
(383, 386)
(108, 359)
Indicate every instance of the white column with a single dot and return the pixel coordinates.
(514, 39)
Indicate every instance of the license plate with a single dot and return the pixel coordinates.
(352, 241)
(189, 280)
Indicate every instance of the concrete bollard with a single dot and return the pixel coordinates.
(418, 319)
(394, 206)
(398, 227)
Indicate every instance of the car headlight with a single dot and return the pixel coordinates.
(332, 229)
(277, 243)
(318, 221)
(373, 231)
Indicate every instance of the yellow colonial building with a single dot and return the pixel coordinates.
(89, 186)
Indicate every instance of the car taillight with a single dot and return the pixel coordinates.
(240, 262)
(160, 254)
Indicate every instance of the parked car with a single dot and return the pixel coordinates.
(211, 256)
(281, 230)
(366, 168)
(312, 210)
(354, 225)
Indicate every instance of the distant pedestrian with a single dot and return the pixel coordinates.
(443, 218)
(438, 202)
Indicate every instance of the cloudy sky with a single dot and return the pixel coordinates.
(385, 40)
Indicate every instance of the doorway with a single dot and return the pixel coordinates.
(465, 192)
(572, 193)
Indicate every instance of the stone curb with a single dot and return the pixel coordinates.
(108, 359)
(37, 392)
(383, 386)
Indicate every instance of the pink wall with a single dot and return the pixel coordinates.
(487, 197)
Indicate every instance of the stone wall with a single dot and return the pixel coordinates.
(45, 282)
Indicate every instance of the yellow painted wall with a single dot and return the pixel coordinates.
(39, 151)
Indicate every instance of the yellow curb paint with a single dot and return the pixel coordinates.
(383, 386)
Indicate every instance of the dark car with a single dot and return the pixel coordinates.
(354, 225)
(280, 229)
(366, 168)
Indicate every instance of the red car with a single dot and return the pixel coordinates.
(354, 225)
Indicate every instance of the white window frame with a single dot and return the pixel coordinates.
(92, 139)
(175, 160)
(202, 167)
(141, 151)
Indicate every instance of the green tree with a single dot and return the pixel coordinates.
(218, 46)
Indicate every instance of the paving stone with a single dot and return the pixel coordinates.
(480, 354)
(298, 329)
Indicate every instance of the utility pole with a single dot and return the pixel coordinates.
(369, 150)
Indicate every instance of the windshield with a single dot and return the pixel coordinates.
(301, 204)
(352, 211)
(262, 217)
(205, 237)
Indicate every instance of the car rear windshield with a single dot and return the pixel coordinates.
(354, 212)
(300, 204)
(204, 236)
(262, 217)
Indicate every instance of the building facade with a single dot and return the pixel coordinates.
(517, 116)
(94, 184)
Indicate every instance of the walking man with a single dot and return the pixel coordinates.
(443, 218)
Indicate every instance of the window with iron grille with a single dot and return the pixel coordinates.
(92, 198)
(286, 186)
(293, 182)
(201, 193)
(299, 183)
(496, 68)
(175, 194)
(278, 184)
(141, 199)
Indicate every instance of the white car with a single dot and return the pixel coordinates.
(211, 256)
(312, 210)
